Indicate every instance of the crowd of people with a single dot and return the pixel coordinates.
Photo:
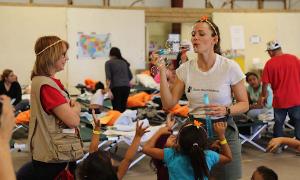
(55, 143)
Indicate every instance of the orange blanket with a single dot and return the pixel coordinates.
(110, 118)
(138, 100)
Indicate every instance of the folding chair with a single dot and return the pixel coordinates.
(249, 138)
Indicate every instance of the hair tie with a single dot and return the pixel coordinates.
(197, 124)
(48, 47)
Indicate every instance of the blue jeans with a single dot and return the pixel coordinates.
(280, 116)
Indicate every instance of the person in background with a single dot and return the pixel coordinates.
(216, 76)
(10, 87)
(254, 91)
(282, 72)
(181, 56)
(97, 98)
(7, 123)
(118, 77)
(54, 138)
(264, 173)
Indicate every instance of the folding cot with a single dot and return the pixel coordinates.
(112, 138)
(262, 125)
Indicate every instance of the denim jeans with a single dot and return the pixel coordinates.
(280, 116)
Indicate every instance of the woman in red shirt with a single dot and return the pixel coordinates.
(54, 117)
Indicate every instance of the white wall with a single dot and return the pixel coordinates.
(127, 28)
(20, 28)
(282, 26)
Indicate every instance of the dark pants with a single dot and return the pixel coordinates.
(120, 97)
(37, 170)
(280, 115)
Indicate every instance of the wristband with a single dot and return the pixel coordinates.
(96, 132)
(224, 141)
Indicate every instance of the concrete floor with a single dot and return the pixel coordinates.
(285, 164)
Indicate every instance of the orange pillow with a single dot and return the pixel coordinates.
(90, 83)
(114, 116)
(23, 117)
(138, 100)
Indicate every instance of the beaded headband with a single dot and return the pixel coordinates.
(205, 19)
(48, 47)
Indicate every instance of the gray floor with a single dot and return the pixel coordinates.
(285, 164)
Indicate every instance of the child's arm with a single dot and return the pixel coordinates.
(96, 134)
(149, 147)
(275, 142)
(225, 156)
(130, 153)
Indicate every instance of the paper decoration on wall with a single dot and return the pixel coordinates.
(255, 39)
(92, 46)
(237, 37)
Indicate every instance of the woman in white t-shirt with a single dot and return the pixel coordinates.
(216, 76)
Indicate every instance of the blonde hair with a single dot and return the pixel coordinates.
(48, 50)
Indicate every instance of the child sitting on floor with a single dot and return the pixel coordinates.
(190, 158)
(98, 164)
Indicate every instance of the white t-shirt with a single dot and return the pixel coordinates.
(216, 82)
(97, 98)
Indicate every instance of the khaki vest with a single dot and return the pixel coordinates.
(47, 141)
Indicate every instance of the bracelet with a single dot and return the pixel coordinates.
(96, 132)
(224, 141)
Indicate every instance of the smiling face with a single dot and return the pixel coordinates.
(202, 38)
(60, 63)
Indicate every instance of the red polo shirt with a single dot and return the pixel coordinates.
(283, 73)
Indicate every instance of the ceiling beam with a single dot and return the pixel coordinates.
(175, 15)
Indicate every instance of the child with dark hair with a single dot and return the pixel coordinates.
(164, 141)
(264, 173)
(98, 164)
(254, 91)
(97, 97)
(190, 158)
